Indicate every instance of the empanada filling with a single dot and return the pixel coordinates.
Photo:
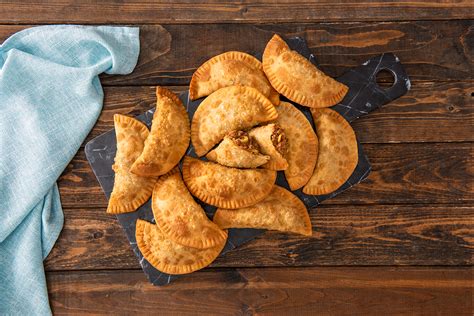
(244, 141)
(279, 140)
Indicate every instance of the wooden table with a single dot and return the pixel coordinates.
(401, 242)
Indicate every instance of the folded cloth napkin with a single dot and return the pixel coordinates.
(50, 97)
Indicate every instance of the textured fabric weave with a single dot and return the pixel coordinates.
(50, 98)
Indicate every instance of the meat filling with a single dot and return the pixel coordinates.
(243, 140)
(279, 140)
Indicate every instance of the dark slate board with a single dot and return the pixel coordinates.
(364, 96)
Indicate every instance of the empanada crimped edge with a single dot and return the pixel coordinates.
(202, 71)
(311, 152)
(275, 46)
(131, 206)
(326, 189)
(140, 231)
(171, 234)
(221, 221)
(141, 166)
(218, 201)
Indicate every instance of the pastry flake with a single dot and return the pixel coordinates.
(227, 109)
(226, 187)
(168, 139)
(179, 217)
(297, 78)
(302, 150)
(238, 150)
(281, 210)
(272, 142)
(130, 191)
(168, 256)
(229, 69)
(338, 153)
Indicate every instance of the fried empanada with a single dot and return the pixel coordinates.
(272, 142)
(130, 191)
(238, 150)
(297, 78)
(228, 109)
(168, 139)
(168, 256)
(281, 210)
(179, 217)
(302, 150)
(226, 187)
(231, 69)
(338, 153)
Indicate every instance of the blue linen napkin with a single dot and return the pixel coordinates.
(50, 98)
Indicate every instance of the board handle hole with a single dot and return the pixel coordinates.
(385, 79)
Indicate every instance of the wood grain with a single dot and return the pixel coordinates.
(269, 291)
(401, 173)
(429, 50)
(342, 235)
(111, 12)
(429, 112)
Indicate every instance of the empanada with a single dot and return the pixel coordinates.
(228, 109)
(168, 256)
(238, 150)
(130, 191)
(168, 139)
(281, 210)
(226, 187)
(231, 69)
(297, 78)
(179, 217)
(338, 153)
(272, 141)
(302, 145)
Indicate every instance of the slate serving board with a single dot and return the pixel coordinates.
(363, 97)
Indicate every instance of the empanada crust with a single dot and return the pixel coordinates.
(168, 256)
(281, 210)
(229, 69)
(179, 217)
(262, 135)
(130, 191)
(338, 153)
(302, 145)
(227, 109)
(168, 139)
(297, 78)
(226, 187)
(227, 153)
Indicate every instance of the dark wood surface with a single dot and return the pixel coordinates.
(399, 243)
(343, 235)
(233, 11)
(269, 291)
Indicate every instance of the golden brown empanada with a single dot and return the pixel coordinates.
(338, 153)
(226, 187)
(272, 141)
(297, 78)
(179, 217)
(302, 150)
(130, 191)
(281, 210)
(238, 150)
(169, 256)
(228, 109)
(168, 139)
(231, 69)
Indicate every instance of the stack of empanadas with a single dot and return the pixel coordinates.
(184, 239)
(142, 156)
(247, 135)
